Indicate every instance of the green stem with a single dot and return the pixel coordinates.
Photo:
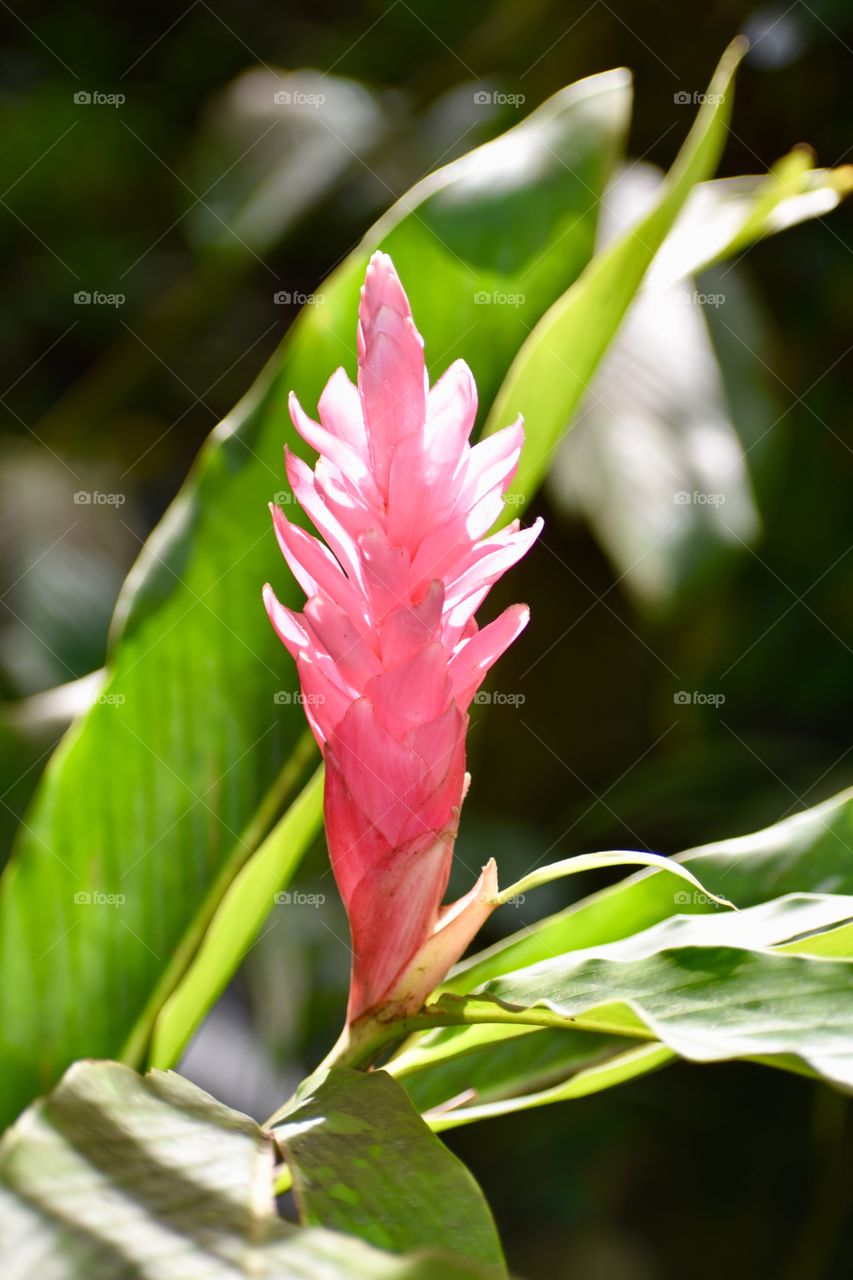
(361, 1042)
(358, 1045)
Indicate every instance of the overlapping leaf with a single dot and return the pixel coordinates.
(795, 881)
(113, 1175)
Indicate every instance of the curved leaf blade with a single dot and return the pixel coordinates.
(615, 1069)
(708, 1004)
(592, 861)
(552, 371)
(364, 1162)
(241, 914)
(496, 1063)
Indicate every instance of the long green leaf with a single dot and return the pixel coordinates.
(464, 1057)
(723, 217)
(582, 862)
(708, 1004)
(552, 371)
(243, 910)
(810, 852)
(612, 1070)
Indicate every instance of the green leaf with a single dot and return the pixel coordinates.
(665, 420)
(837, 942)
(155, 795)
(723, 217)
(707, 1003)
(364, 1162)
(552, 371)
(497, 1063)
(654, 462)
(114, 1175)
(810, 852)
(592, 861)
(592, 1076)
(454, 1071)
(238, 920)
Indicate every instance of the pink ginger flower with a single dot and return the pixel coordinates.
(388, 652)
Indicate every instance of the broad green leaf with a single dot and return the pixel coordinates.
(552, 371)
(239, 918)
(154, 796)
(451, 1061)
(364, 1162)
(706, 1003)
(809, 852)
(113, 1175)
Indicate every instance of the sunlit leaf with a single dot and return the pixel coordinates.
(806, 859)
(232, 930)
(364, 1162)
(553, 369)
(115, 1175)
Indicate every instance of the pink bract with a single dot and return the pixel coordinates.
(388, 652)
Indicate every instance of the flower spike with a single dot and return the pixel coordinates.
(387, 649)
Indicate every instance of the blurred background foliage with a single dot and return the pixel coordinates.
(209, 213)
